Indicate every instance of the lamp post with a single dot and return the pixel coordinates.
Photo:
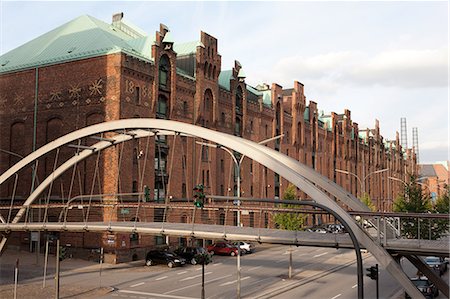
(238, 195)
(362, 182)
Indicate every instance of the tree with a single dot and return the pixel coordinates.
(289, 220)
(368, 202)
(413, 200)
(441, 206)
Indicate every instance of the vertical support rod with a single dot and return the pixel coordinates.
(384, 230)
(16, 277)
(57, 271)
(290, 261)
(239, 271)
(45, 262)
(101, 263)
(203, 276)
(376, 266)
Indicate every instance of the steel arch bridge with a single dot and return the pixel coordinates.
(303, 177)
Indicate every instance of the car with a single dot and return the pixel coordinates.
(223, 248)
(245, 247)
(335, 228)
(192, 255)
(427, 288)
(437, 264)
(154, 257)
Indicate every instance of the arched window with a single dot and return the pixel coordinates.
(210, 71)
(214, 73)
(208, 108)
(206, 69)
(164, 71)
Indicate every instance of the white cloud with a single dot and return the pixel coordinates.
(404, 68)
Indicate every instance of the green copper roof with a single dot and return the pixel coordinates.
(326, 119)
(306, 114)
(224, 79)
(80, 38)
(187, 48)
(267, 97)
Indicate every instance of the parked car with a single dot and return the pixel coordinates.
(335, 228)
(164, 257)
(191, 254)
(245, 247)
(437, 264)
(223, 248)
(428, 289)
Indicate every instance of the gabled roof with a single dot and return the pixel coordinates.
(80, 38)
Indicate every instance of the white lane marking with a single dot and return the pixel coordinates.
(254, 268)
(195, 276)
(317, 255)
(155, 294)
(164, 277)
(197, 284)
(138, 284)
(182, 272)
(354, 286)
(234, 281)
(198, 269)
(338, 295)
(217, 264)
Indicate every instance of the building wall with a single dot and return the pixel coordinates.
(71, 95)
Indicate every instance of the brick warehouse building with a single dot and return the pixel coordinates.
(87, 71)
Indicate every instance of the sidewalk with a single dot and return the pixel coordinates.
(30, 276)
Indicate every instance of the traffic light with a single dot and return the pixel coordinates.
(62, 253)
(372, 272)
(146, 194)
(199, 196)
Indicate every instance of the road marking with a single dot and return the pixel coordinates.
(138, 284)
(317, 255)
(182, 272)
(354, 286)
(198, 269)
(234, 281)
(217, 264)
(197, 284)
(254, 268)
(164, 277)
(195, 276)
(338, 295)
(155, 294)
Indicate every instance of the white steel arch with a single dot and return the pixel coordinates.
(288, 168)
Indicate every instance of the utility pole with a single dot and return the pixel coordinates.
(57, 271)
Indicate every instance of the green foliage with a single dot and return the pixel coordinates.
(368, 202)
(414, 200)
(292, 220)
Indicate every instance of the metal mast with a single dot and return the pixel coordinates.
(403, 133)
(415, 137)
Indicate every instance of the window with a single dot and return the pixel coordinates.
(238, 127)
(159, 240)
(159, 215)
(135, 187)
(222, 118)
(162, 108)
(222, 165)
(137, 96)
(239, 99)
(252, 219)
(222, 190)
(164, 67)
(204, 153)
(183, 191)
(185, 108)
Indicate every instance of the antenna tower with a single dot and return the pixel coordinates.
(403, 133)
(415, 137)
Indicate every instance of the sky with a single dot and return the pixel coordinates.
(381, 60)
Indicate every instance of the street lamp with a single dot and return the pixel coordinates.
(362, 182)
(238, 195)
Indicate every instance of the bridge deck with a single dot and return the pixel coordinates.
(233, 233)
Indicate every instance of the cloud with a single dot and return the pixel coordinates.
(392, 68)
(404, 68)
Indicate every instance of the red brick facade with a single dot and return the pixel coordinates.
(70, 95)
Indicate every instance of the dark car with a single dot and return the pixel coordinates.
(223, 248)
(437, 264)
(164, 257)
(192, 255)
(426, 287)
